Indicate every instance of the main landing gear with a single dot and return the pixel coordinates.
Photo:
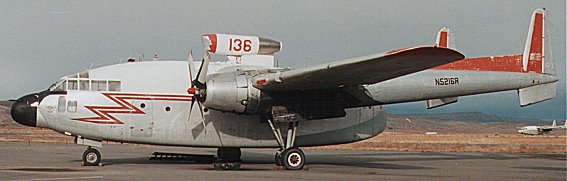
(91, 157)
(228, 159)
(290, 157)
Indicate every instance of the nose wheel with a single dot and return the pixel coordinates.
(91, 157)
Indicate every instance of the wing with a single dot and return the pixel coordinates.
(358, 71)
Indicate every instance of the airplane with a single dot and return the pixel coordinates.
(539, 130)
(247, 102)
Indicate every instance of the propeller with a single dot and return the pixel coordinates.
(198, 83)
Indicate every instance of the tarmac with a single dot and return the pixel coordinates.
(57, 161)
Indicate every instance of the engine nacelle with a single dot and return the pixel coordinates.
(232, 92)
(238, 45)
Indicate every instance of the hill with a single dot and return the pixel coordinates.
(474, 117)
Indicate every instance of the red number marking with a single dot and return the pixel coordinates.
(238, 46)
(247, 46)
(230, 45)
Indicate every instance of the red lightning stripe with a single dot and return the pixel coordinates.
(124, 107)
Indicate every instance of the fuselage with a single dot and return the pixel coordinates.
(147, 102)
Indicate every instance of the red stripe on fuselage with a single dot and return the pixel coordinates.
(509, 63)
(124, 107)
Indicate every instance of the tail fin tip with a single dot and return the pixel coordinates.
(533, 57)
(443, 38)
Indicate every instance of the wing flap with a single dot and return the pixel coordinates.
(358, 71)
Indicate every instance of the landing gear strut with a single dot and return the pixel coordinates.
(292, 158)
(228, 159)
(91, 157)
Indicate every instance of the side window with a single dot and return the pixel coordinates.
(61, 104)
(84, 84)
(113, 85)
(72, 106)
(72, 85)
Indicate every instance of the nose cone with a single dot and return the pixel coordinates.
(24, 110)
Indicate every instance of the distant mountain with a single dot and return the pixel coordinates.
(474, 117)
(5, 118)
(6, 103)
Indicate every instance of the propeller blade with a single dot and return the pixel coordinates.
(191, 64)
(202, 74)
(201, 109)
(202, 116)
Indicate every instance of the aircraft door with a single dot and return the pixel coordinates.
(141, 124)
(366, 114)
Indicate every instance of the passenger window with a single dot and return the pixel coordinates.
(72, 106)
(72, 85)
(61, 106)
(113, 85)
(98, 85)
(84, 84)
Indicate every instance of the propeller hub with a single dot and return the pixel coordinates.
(192, 90)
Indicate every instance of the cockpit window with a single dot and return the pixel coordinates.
(113, 85)
(72, 85)
(86, 85)
(60, 85)
(84, 75)
(98, 85)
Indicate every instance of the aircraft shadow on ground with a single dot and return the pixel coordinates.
(364, 160)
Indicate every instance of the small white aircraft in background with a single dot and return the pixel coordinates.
(539, 130)
(246, 101)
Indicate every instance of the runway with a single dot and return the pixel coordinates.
(55, 161)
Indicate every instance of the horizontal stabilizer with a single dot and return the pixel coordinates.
(536, 94)
(434, 103)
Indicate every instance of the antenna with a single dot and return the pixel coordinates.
(91, 67)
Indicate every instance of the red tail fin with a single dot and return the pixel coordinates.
(443, 38)
(533, 57)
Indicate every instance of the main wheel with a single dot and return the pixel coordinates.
(91, 157)
(293, 158)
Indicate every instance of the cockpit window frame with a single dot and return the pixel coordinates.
(86, 84)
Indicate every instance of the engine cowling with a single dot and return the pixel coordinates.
(238, 45)
(232, 92)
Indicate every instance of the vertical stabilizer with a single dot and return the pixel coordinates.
(443, 38)
(533, 57)
(554, 123)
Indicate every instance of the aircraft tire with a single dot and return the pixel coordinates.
(91, 157)
(293, 158)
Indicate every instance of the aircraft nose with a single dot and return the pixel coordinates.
(24, 110)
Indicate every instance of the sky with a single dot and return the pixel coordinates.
(41, 41)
